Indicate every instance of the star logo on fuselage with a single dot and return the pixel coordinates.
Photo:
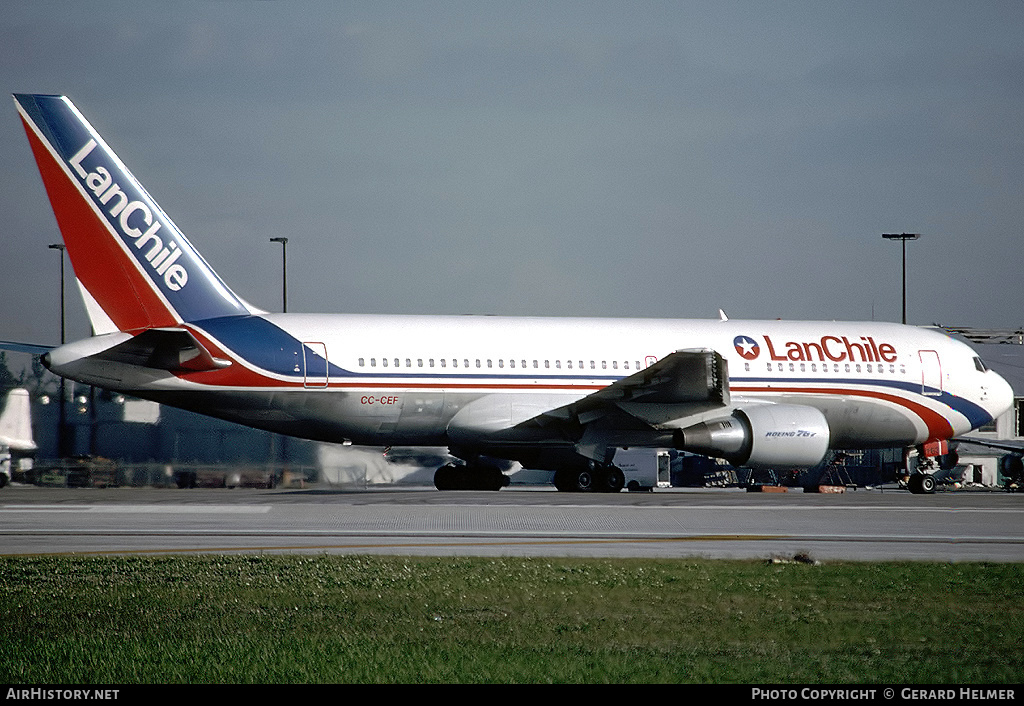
(747, 347)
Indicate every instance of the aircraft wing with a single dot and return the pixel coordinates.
(625, 413)
(684, 381)
(1000, 444)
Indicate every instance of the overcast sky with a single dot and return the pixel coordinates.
(649, 159)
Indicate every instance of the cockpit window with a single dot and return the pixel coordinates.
(979, 364)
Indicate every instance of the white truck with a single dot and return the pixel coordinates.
(640, 467)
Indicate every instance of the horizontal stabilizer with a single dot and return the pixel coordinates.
(16, 347)
(164, 349)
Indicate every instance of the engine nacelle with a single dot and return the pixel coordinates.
(769, 436)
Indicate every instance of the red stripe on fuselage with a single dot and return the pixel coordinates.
(238, 375)
(938, 426)
(99, 261)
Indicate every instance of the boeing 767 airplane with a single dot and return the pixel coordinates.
(560, 394)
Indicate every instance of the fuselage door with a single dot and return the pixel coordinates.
(314, 357)
(931, 373)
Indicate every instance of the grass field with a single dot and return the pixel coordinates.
(283, 619)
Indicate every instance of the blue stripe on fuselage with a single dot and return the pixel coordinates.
(270, 348)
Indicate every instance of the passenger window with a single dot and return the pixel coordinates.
(361, 362)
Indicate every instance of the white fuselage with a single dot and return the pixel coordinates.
(393, 380)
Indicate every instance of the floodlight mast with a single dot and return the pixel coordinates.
(903, 237)
(284, 272)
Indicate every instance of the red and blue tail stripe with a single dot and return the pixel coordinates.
(128, 255)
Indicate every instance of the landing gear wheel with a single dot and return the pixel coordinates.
(476, 477)
(927, 484)
(584, 480)
(613, 480)
(921, 484)
(563, 481)
(574, 481)
(444, 477)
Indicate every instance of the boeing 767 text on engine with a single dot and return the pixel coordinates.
(555, 394)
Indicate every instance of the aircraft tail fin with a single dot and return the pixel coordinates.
(16, 422)
(135, 269)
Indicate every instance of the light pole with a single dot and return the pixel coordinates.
(284, 272)
(904, 237)
(61, 420)
(60, 247)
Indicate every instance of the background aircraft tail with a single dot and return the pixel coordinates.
(16, 422)
(135, 268)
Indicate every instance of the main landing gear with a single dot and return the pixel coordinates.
(475, 476)
(603, 478)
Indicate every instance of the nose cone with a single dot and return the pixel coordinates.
(1000, 394)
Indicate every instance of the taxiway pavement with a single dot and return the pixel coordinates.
(714, 523)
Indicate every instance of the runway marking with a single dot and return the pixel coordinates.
(534, 542)
(402, 545)
(146, 509)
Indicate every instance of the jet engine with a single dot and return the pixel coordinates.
(765, 436)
